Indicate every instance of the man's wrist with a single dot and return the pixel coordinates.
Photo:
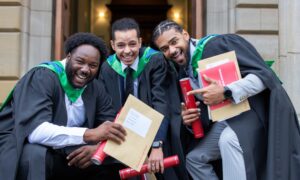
(227, 93)
(88, 136)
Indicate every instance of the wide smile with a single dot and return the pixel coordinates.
(82, 76)
(80, 79)
(127, 58)
(178, 56)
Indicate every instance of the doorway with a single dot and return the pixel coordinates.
(148, 13)
(97, 16)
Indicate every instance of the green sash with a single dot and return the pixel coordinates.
(197, 55)
(72, 93)
(115, 64)
(8, 98)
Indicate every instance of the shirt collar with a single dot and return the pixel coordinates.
(193, 43)
(134, 66)
(63, 62)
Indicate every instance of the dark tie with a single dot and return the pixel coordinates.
(129, 82)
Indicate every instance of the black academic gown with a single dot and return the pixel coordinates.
(152, 90)
(269, 133)
(38, 97)
(179, 134)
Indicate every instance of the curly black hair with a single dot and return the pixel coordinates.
(81, 38)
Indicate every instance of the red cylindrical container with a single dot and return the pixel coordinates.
(100, 155)
(128, 172)
(191, 103)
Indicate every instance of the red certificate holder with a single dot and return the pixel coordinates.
(128, 172)
(100, 155)
(191, 103)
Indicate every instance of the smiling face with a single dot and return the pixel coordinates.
(126, 45)
(82, 65)
(174, 45)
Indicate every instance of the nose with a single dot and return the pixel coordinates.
(172, 49)
(127, 49)
(85, 69)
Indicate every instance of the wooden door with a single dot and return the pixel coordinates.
(62, 26)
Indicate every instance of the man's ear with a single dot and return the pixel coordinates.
(140, 42)
(68, 56)
(112, 45)
(185, 35)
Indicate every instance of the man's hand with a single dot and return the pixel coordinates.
(106, 131)
(81, 157)
(156, 160)
(212, 94)
(189, 115)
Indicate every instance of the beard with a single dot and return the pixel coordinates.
(71, 73)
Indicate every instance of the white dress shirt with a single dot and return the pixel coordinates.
(56, 136)
(246, 87)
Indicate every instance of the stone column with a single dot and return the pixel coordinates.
(289, 44)
(197, 18)
(40, 32)
(13, 43)
(217, 21)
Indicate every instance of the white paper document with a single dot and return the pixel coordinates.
(137, 122)
(141, 123)
(211, 65)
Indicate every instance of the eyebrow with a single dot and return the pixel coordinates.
(131, 41)
(168, 43)
(172, 39)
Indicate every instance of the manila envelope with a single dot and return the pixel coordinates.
(229, 110)
(141, 123)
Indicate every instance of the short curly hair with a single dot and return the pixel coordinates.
(81, 38)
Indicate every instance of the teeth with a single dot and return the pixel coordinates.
(82, 76)
(176, 54)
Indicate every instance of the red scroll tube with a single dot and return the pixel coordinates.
(191, 103)
(128, 172)
(100, 155)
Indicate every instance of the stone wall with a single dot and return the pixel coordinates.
(289, 63)
(25, 38)
(272, 26)
(255, 20)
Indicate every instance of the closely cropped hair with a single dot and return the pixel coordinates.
(165, 26)
(82, 38)
(125, 24)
